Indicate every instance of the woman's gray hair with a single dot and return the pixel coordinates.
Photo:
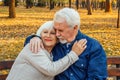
(71, 16)
(46, 25)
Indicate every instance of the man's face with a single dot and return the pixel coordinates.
(63, 31)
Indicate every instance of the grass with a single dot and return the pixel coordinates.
(100, 25)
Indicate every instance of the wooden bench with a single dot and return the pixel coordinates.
(110, 60)
(4, 65)
(114, 71)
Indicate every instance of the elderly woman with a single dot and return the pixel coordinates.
(30, 66)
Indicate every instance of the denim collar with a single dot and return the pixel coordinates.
(78, 37)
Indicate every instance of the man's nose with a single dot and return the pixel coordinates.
(57, 33)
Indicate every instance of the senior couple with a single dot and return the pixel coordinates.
(59, 51)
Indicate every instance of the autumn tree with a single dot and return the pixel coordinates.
(69, 3)
(6, 3)
(95, 4)
(12, 13)
(102, 4)
(108, 6)
(41, 3)
(51, 4)
(29, 3)
(89, 8)
(83, 3)
(60, 3)
(118, 20)
(77, 4)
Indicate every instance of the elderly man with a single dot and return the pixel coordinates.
(92, 63)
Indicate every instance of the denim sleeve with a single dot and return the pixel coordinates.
(97, 67)
(27, 40)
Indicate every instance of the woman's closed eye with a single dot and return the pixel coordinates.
(45, 31)
(52, 33)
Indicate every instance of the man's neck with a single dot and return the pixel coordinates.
(71, 39)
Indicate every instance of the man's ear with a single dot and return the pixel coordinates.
(76, 28)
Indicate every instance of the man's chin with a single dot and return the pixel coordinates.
(63, 41)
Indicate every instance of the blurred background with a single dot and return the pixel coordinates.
(21, 18)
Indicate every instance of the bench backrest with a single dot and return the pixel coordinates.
(110, 60)
(4, 65)
(114, 71)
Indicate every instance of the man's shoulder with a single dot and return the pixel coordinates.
(91, 42)
(27, 40)
(89, 39)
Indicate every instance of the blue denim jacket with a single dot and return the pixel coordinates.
(92, 63)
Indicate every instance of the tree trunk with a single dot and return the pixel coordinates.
(69, 3)
(77, 4)
(118, 20)
(94, 4)
(108, 6)
(12, 13)
(89, 8)
(51, 4)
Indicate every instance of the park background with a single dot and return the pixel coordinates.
(20, 18)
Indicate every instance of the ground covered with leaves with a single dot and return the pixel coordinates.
(99, 25)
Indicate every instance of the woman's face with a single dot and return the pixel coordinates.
(48, 37)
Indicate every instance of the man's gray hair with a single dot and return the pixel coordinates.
(46, 25)
(71, 16)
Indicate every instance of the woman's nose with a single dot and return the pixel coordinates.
(48, 34)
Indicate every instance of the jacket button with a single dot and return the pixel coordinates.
(82, 65)
(71, 74)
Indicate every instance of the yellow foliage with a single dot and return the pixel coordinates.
(100, 25)
(1, 3)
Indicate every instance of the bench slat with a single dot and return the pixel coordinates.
(114, 72)
(110, 60)
(6, 65)
(3, 77)
(113, 60)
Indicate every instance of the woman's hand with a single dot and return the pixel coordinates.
(36, 44)
(79, 46)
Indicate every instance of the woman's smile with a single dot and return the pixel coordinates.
(48, 40)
